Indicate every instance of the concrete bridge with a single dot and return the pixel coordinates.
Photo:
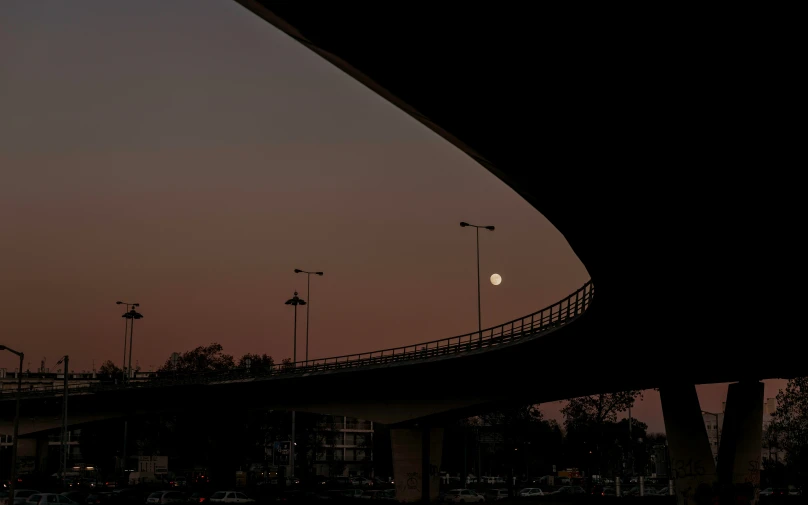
(633, 148)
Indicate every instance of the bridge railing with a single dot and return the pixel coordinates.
(544, 320)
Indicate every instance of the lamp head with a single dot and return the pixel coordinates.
(489, 228)
(3, 348)
(319, 273)
(464, 224)
(118, 303)
(297, 270)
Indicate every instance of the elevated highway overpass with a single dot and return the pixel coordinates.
(634, 147)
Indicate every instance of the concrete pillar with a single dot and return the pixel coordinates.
(412, 448)
(742, 438)
(692, 464)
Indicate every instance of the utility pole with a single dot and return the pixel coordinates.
(63, 462)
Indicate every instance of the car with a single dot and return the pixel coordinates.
(230, 497)
(20, 496)
(496, 494)
(463, 496)
(165, 497)
(49, 498)
(531, 491)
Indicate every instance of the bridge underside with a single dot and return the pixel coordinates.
(609, 130)
(435, 391)
(688, 267)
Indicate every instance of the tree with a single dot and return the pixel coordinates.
(520, 440)
(110, 370)
(788, 430)
(202, 359)
(258, 362)
(593, 434)
(598, 409)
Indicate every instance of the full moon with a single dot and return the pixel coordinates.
(496, 279)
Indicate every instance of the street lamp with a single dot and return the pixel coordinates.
(129, 314)
(308, 307)
(13, 485)
(132, 314)
(125, 331)
(294, 301)
(464, 224)
(63, 462)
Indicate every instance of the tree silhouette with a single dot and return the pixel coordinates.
(592, 434)
(258, 362)
(110, 370)
(598, 409)
(202, 359)
(788, 430)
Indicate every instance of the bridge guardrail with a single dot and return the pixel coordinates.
(546, 319)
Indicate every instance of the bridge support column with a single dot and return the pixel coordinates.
(416, 463)
(739, 452)
(692, 463)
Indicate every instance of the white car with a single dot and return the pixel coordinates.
(230, 497)
(463, 496)
(531, 491)
(49, 498)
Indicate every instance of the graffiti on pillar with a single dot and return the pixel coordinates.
(683, 468)
(414, 481)
(754, 472)
(687, 496)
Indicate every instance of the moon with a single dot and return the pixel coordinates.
(496, 279)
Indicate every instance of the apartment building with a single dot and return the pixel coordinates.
(714, 422)
(345, 447)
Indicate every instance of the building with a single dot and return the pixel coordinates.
(714, 422)
(345, 447)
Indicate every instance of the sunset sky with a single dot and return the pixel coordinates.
(188, 156)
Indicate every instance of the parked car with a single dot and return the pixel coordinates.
(531, 491)
(20, 496)
(496, 494)
(49, 498)
(463, 496)
(230, 497)
(76, 496)
(165, 497)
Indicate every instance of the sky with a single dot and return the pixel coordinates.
(188, 156)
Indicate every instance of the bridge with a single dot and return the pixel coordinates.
(517, 331)
(599, 125)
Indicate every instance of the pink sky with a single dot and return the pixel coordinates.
(188, 156)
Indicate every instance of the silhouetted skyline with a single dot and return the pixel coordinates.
(188, 156)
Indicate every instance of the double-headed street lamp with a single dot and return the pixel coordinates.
(294, 301)
(479, 311)
(126, 330)
(13, 485)
(308, 307)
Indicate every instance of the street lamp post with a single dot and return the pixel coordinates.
(125, 331)
(129, 314)
(132, 314)
(479, 311)
(294, 301)
(63, 462)
(13, 485)
(308, 307)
